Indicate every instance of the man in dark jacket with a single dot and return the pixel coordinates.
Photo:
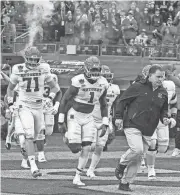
(140, 108)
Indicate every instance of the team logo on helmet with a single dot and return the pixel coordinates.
(92, 67)
(33, 57)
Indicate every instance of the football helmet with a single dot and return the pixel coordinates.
(92, 68)
(106, 72)
(32, 56)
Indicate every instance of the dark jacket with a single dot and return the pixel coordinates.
(140, 107)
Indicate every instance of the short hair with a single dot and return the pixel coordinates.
(154, 68)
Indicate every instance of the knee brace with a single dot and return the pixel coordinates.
(86, 143)
(49, 129)
(93, 147)
(75, 147)
(41, 135)
(153, 146)
(163, 148)
(163, 145)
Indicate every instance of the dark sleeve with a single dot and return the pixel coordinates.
(164, 110)
(69, 94)
(15, 96)
(58, 96)
(127, 97)
(103, 104)
(114, 105)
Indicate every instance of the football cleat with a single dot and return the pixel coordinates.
(90, 173)
(8, 143)
(42, 158)
(119, 171)
(24, 164)
(77, 181)
(36, 173)
(151, 174)
(124, 187)
(176, 152)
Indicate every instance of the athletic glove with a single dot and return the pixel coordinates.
(104, 129)
(62, 128)
(55, 108)
(119, 124)
(172, 122)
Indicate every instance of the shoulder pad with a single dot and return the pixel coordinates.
(169, 85)
(116, 89)
(78, 80)
(44, 67)
(103, 80)
(17, 68)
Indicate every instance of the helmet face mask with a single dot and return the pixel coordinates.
(92, 68)
(106, 73)
(33, 57)
(109, 77)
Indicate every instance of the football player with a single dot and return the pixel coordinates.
(49, 112)
(113, 92)
(84, 92)
(160, 138)
(31, 76)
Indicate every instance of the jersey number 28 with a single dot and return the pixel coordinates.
(29, 80)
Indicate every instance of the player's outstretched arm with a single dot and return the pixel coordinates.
(10, 93)
(54, 88)
(69, 94)
(104, 113)
(67, 97)
(5, 77)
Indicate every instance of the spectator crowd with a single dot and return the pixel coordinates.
(139, 23)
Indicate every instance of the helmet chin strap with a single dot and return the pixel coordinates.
(90, 80)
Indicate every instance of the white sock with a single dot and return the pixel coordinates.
(32, 163)
(84, 157)
(96, 157)
(22, 141)
(41, 153)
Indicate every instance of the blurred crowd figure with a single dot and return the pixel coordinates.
(139, 23)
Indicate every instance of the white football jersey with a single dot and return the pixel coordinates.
(89, 93)
(112, 93)
(171, 89)
(31, 82)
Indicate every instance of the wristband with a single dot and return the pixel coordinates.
(57, 104)
(10, 100)
(105, 121)
(61, 118)
(52, 95)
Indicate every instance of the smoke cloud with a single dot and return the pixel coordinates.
(39, 12)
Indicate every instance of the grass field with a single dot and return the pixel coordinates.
(58, 173)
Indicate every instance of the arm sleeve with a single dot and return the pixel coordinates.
(69, 94)
(58, 96)
(164, 110)
(14, 76)
(103, 104)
